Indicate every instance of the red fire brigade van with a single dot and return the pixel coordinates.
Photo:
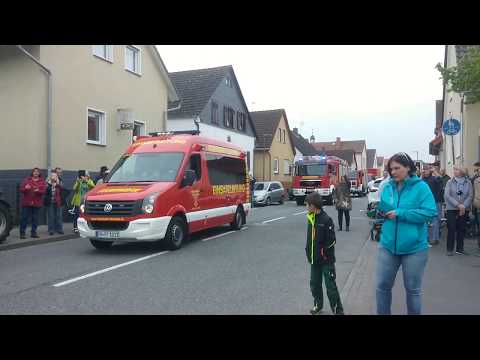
(317, 173)
(168, 186)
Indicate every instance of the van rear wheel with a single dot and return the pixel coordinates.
(237, 220)
(177, 233)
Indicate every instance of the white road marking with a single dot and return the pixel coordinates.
(217, 236)
(267, 221)
(108, 269)
(244, 228)
(300, 213)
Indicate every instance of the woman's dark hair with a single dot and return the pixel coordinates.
(314, 199)
(404, 160)
(39, 172)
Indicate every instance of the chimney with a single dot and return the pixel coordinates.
(312, 139)
(295, 130)
(337, 142)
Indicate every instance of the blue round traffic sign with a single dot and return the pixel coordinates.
(451, 127)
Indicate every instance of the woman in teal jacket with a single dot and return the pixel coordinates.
(407, 204)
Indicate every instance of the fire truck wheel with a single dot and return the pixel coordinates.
(5, 222)
(300, 201)
(176, 233)
(238, 220)
(101, 245)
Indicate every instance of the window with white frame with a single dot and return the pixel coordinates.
(96, 127)
(139, 128)
(275, 166)
(104, 52)
(133, 59)
(286, 167)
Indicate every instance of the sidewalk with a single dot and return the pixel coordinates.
(14, 241)
(450, 285)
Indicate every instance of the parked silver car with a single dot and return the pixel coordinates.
(266, 192)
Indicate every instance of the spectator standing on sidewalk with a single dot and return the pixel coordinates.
(82, 185)
(407, 205)
(445, 179)
(33, 188)
(59, 172)
(476, 202)
(434, 181)
(386, 179)
(320, 250)
(458, 198)
(102, 175)
(343, 202)
(54, 200)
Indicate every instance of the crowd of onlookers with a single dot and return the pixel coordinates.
(53, 195)
(457, 199)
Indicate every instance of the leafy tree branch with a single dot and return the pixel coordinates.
(465, 77)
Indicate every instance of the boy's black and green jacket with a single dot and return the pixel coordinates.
(320, 247)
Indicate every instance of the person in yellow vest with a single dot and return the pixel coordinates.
(320, 250)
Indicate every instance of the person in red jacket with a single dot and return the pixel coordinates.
(33, 188)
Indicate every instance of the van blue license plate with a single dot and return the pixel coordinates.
(108, 234)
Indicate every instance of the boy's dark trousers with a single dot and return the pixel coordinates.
(327, 271)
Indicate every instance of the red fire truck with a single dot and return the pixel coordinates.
(317, 174)
(358, 182)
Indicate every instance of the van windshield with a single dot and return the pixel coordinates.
(146, 167)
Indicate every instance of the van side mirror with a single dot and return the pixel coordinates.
(189, 178)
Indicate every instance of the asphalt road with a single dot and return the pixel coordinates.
(259, 270)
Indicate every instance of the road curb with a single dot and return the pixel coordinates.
(34, 242)
(356, 269)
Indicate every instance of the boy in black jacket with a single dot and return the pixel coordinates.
(320, 251)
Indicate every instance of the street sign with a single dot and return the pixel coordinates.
(451, 127)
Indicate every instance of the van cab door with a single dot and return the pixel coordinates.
(197, 202)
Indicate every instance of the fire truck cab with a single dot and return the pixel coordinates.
(317, 174)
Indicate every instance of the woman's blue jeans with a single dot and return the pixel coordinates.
(413, 267)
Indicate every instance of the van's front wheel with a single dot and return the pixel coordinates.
(237, 220)
(176, 233)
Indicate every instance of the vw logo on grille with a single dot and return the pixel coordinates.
(107, 208)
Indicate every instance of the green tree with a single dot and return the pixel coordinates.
(465, 77)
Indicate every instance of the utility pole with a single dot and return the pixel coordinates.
(416, 151)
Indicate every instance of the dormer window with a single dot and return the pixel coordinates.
(228, 81)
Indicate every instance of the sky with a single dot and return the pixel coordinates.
(383, 94)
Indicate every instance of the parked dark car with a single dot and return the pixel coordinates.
(6, 219)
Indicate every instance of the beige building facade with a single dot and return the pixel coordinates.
(90, 84)
(274, 158)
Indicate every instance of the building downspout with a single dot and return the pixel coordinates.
(49, 107)
(168, 110)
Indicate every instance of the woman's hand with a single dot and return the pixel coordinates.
(391, 215)
(461, 209)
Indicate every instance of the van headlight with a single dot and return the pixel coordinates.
(82, 207)
(148, 205)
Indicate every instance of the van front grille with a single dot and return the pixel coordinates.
(310, 183)
(118, 208)
(108, 225)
